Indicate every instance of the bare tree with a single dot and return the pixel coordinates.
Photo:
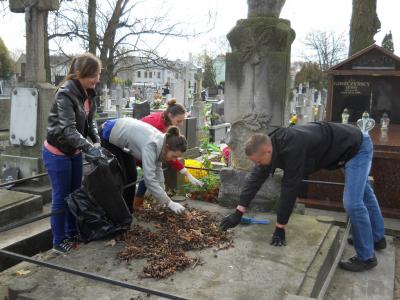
(4, 8)
(113, 31)
(326, 48)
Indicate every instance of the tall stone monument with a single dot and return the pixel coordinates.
(32, 99)
(257, 74)
(256, 87)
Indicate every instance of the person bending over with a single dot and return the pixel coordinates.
(129, 140)
(302, 150)
(174, 115)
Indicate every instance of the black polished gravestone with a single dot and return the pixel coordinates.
(141, 110)
(376, 95)
(367, 81)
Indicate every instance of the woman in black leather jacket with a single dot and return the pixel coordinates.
(70, 124)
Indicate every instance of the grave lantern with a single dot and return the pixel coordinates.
(345, 116)
(385, 121)
(365, 123)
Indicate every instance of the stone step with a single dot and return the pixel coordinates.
(318, 271)
(41, 188)
(28, 239)
(16, 205)
(377, 284)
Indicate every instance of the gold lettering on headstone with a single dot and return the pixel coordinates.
(352, 87)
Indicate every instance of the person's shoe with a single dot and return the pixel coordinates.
(64, 247)
(379, 245)
(355, 264)
(138, 203)
(75, 241)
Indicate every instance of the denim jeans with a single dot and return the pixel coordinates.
(141, 189)
(360, 202)
(65, 173)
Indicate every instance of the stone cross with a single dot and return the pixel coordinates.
(35, 18)
(265, 8)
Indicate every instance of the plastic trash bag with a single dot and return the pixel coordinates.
(98, 206)
(91, 220)
(104, 184)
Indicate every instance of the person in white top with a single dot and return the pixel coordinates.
(148, 145)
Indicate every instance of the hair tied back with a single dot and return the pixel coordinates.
(173, 130)
(171, 102)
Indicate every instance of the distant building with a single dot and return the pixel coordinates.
(175, 77)
(59, 65)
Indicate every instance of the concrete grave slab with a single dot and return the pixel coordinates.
(251, 270)
(16, 205)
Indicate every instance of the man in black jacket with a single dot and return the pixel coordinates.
(302, 150)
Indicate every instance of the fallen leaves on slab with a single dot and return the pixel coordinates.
(22, 272)
(111, 243)
(165, 248)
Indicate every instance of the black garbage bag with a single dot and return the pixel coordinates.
(104, 184)
(91, 220)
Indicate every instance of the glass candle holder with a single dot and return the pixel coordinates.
(365, 123)
(345, 116)
(385, 120)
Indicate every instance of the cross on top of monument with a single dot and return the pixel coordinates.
(265, 7)
(35, 22)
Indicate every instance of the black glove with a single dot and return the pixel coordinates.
(278, 238)
(93, 154)
(232, 220)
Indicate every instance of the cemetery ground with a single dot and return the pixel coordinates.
(252, 269)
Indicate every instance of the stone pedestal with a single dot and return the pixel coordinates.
(35, 77)
(28, 158)
(240, 131)
(232, 182)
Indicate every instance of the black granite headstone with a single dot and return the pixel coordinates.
(141, 110)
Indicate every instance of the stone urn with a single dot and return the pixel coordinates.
(270, 8)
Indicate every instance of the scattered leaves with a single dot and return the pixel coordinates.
(111, 243)
(165, 248)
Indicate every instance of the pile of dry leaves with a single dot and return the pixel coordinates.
(165, 247)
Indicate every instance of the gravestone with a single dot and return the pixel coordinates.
(198, 104)
(256, 83)
(141, 109)
(5, 109)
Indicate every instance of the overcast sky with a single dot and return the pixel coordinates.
(305, 16)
